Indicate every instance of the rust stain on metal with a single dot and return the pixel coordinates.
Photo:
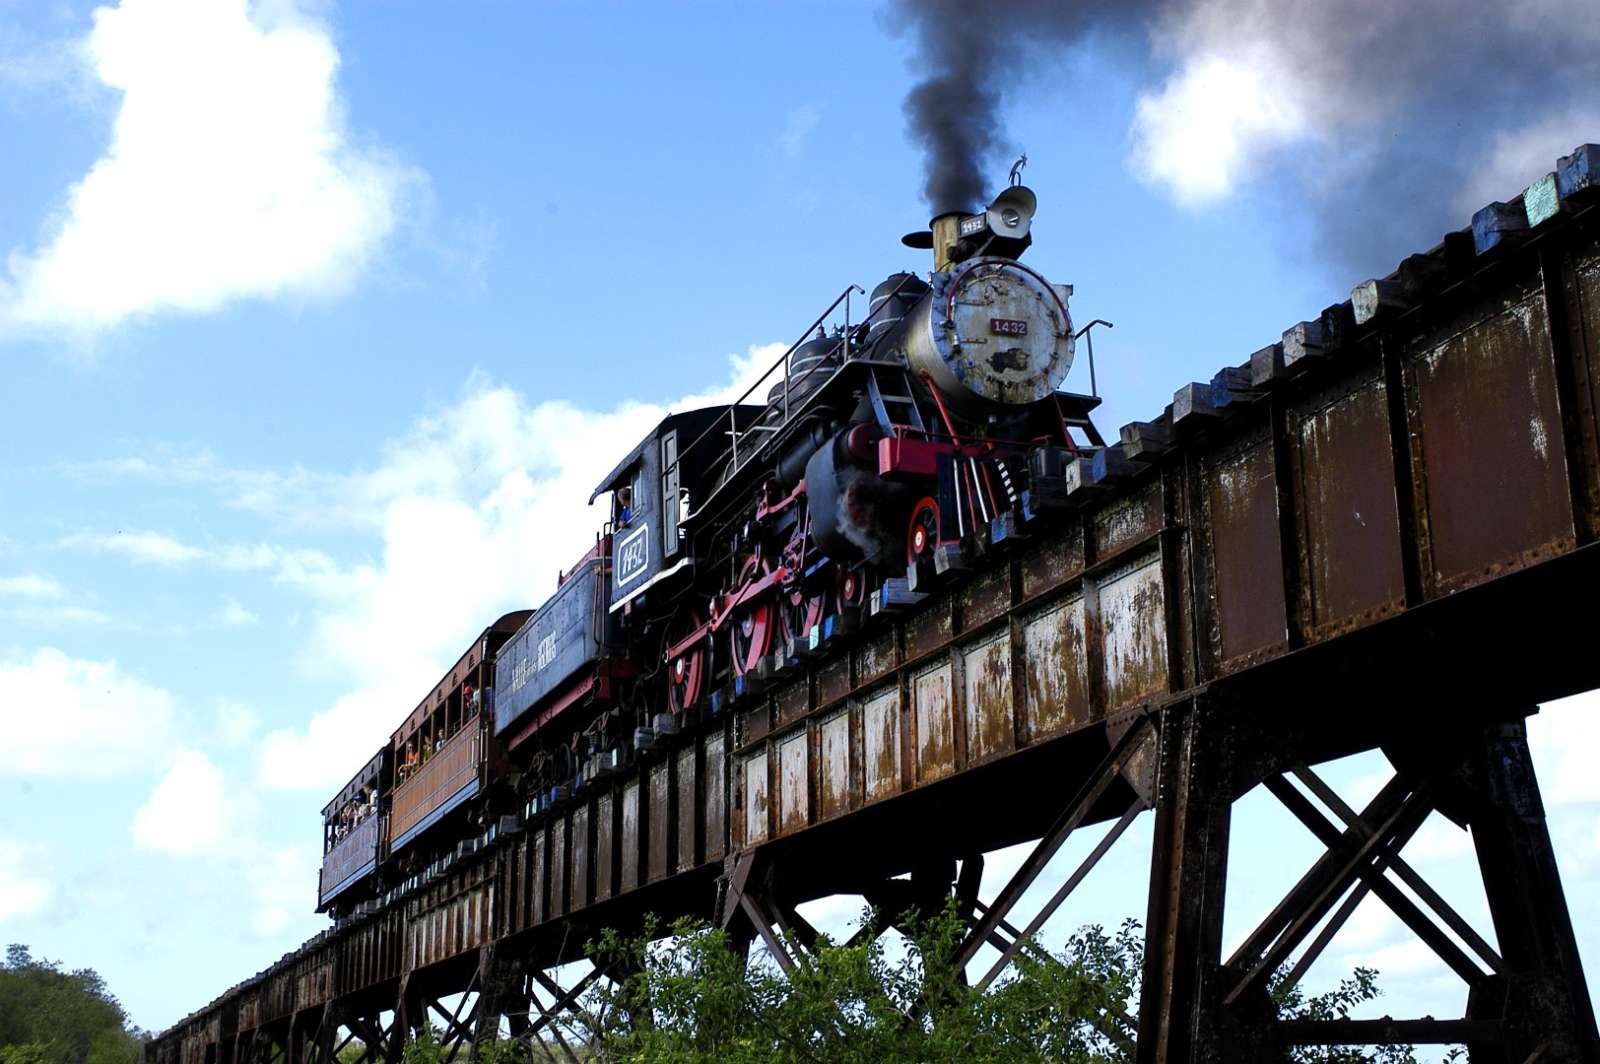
(935, 719)
(1350, 567)
(629, 841)
(604, 847)
(754, 770)
(880, 741)
(580, 858)
(715, 800)
(986, 679)
(1487, 424)
(1241, 498)
(1055, 559)
(558, 867)
(833, 679)
(659, 839)
(876, 658)
(1125, 521)
(985, 597)
(794, 806)
(757, 722)
(536, 879)
(1583, 287)
(833, 764)
(793, 700)
(1133, 627)
(1056, 667)
(929, 629)
(688, 808)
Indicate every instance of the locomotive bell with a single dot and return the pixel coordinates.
(1003, 228)
(1011, 213)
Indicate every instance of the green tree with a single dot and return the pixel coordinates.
(691, 996)
(49, 1015)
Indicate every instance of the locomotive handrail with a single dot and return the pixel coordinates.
(733, 423)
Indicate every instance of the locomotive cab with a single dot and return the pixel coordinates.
(656, 487)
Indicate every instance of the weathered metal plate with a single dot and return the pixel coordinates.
(630, 842)
(1486, 427)
(1582, 286)
(833, 764)
(1350, 568)
(928, 629)
(757, 721)
(1056, 668)
(688, 814)
(580, 894)
(659, 838)
(1250, 615)
(985, 597)
(1056, 558)
(934, 713)
(833, 679)
(876, 657)
(754, 771)
(1133, 631)
(986, 683)
(558, 867)
(1124, 521)
(793, 699)
(538, 897)
(794, 805)
(880, 742)
(715, 798)
(605, 844)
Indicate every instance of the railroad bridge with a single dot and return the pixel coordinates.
(1378, 533)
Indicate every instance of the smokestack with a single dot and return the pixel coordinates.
(946, 234)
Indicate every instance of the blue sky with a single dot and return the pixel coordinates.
(320, 321)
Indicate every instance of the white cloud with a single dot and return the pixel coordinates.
(189, 812)
(31, 586)
(141, 546)
(1562, 737)
(1406, 100)
(481, 505)
(797, 129)
(24, 892)
(65, 716)
(279, 888)
(59, 615)
(1519, 157)
(236, 723)
(1207, 127)
(234, 615)
(229, 173)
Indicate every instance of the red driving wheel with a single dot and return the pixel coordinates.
(801, 613)
(923, 532)
(852, 588)
(686, 673)
(753, 624)
(751, 635)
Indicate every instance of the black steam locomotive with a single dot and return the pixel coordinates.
(744, 539)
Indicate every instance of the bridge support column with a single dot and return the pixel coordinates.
(1541, 998)
(1180, 1011)
(410, 1013)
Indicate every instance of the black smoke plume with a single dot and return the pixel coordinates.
(1403, 117)
(967, 54)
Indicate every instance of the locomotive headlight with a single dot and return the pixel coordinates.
(1010, 217)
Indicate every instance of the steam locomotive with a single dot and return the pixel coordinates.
(885, 456)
